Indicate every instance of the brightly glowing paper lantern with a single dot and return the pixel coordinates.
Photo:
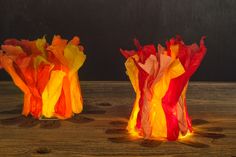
(160, 80)
(47, 74)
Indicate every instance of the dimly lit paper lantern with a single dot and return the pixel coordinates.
(160, 80)
(47, 74)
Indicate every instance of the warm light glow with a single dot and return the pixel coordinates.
(160, 80)
(189, 134)
(47, 74)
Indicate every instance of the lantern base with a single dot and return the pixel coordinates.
(45, 118)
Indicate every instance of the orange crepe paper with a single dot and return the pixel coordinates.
(46, 74)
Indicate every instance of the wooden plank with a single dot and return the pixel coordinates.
(100, 129)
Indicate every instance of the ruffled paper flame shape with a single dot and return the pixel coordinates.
(160, 80)
(47, 74)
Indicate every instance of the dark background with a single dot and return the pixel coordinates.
(104, 26)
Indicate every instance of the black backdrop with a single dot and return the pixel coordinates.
(104, 26)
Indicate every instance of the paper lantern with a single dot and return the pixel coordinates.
(46, 74)
(160, 80)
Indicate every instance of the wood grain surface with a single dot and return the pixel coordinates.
(100, 129)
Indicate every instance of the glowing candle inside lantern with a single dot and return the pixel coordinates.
(160, 80)
(47, 74)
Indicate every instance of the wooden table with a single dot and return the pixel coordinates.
(100, 129)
